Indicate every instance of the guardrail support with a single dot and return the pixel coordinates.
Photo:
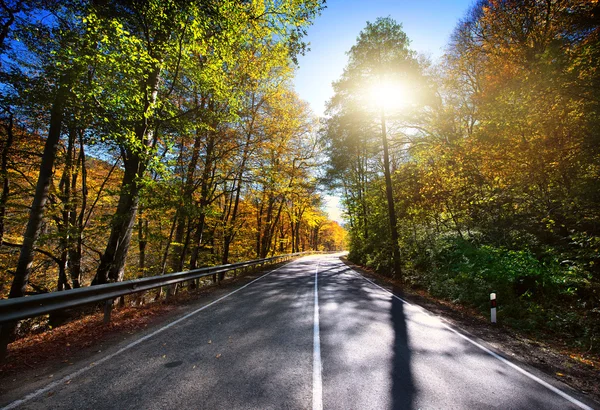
(108, 305)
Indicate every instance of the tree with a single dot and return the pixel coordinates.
(379, 59)
(165, 105)
(284, 162)
(194, 36)
(63, 70)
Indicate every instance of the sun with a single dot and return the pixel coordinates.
(390, 95)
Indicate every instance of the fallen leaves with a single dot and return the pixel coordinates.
(72, 337)
(581, 359)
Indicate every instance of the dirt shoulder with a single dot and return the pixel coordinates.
(553, 357)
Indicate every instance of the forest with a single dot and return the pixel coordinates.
(479, 173)
(140, 138)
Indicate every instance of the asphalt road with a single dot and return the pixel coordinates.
(267, 346)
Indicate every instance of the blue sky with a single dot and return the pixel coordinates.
(428, 25)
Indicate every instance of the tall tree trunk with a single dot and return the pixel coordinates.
(36, 214)
(205, 201)
(296, 226)
(188, 196)
(198, 239)
(66, 198)
(112, 263)
(297, 241)
(142, 243)
(390, 201)
(270, 222)
(281, 238)
(271, 228)
(265, 241)
(229, 223)
(259, 220)
(4, 173)
(363, 200)
(78, 220)
(176, 255)
(292, 215)
(63, 282)
(180, 247)
(163, 265)
(177, 244)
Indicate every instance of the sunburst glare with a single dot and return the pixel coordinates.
(390, 95)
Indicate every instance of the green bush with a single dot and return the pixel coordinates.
(533, 293)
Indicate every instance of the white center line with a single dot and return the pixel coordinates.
(317, 367)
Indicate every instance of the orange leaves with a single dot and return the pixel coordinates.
(333, 237)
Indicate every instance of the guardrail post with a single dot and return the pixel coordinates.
(493, 307)
(108, 305)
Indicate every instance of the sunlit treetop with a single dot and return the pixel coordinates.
(381, 70)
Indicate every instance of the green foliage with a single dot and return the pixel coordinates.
(532, 293)
(193, 98)
(496, 168)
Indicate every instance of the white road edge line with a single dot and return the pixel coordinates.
(533, 377)
(317, 366)
(79, 372)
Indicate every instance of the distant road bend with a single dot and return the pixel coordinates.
(312, 333)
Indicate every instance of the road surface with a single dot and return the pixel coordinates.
(311, 334)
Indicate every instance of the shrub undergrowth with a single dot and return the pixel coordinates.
(537, 294)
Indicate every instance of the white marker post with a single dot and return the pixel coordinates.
(493, 303)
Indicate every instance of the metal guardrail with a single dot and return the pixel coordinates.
(31, 306)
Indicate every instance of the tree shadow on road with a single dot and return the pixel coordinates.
(366, 353)
(402, 382)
